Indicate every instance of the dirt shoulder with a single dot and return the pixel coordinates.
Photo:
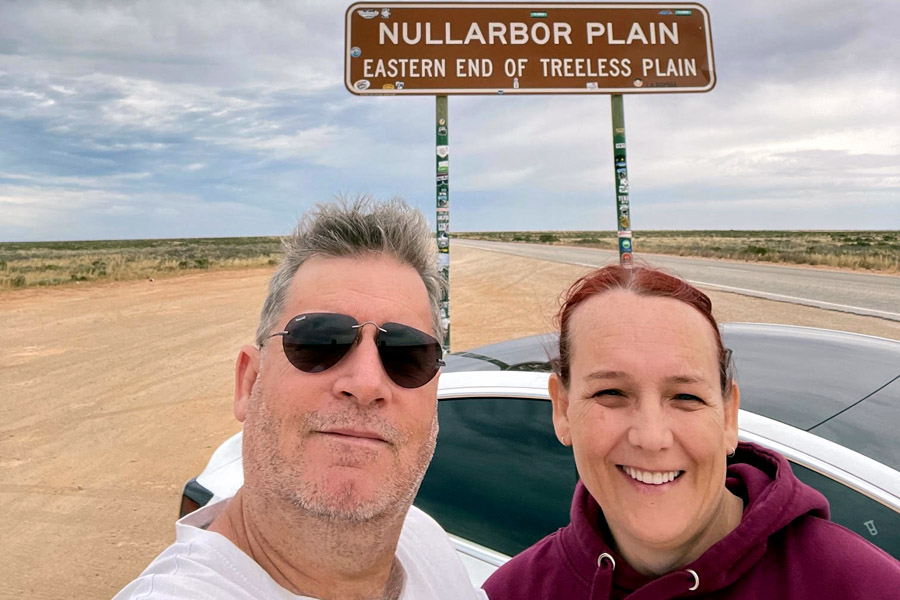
(115, 394)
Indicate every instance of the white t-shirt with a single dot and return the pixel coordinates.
(204, 565)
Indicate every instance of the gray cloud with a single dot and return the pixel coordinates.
(230, 117)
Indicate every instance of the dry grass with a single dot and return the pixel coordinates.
(58, 263)
(858, 250)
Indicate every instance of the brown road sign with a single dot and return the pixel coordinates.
(512, 48)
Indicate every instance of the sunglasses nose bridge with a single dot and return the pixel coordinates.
(359, 327)
(367, 378)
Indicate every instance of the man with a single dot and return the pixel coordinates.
(338, 431)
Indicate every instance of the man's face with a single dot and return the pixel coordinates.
(347, 442)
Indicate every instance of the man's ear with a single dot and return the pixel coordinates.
(246, 370)
(560, 398)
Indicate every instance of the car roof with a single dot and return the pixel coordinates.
(530, 353)
(843, 386)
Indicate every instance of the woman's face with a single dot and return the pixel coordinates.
(646, 419)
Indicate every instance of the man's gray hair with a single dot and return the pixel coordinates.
(354, 228)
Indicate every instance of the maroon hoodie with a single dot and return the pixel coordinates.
(784, 547)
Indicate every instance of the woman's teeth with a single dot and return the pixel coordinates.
(651, 477)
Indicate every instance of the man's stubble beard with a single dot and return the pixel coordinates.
(273, 477)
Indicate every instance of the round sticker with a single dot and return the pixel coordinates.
(355, 52)
(362, 84)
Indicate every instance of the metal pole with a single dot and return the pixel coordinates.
(623, 211)
(442, 186)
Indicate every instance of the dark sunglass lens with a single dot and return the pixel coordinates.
(410, 357)
(317, 341)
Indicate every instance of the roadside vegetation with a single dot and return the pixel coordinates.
(858, 250)
(26, 264)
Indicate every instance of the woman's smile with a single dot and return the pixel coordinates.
(646, 477)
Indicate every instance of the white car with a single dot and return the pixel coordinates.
(828, 401)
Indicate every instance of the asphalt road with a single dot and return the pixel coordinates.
(857, 293)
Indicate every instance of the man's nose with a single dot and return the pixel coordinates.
(650, 428)
(362, 377)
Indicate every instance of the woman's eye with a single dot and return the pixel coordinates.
(688, 397)
(610, 397)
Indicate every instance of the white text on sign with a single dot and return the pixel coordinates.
(517, 34)
(550, 67)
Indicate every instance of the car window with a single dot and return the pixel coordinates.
(499, 476)
(855, 511)
(802, 377)
(870, 427)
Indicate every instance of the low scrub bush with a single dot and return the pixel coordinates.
(27, 264)
(16, 281)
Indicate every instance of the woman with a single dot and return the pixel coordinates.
(644, 393)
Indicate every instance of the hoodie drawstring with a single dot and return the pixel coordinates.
(696, 580)
(601, 585)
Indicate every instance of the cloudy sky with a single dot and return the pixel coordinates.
(165, 118)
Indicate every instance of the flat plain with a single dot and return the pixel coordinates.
(116, 392)
(43, 264)
(877, 251)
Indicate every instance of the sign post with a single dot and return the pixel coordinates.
(442, 181)
(620, 164)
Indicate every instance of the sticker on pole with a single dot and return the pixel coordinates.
(441, 48)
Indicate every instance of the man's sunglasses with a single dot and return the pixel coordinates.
(315, 342)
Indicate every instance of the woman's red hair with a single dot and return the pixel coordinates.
(643, 281)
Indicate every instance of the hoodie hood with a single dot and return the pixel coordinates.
(772, 496)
